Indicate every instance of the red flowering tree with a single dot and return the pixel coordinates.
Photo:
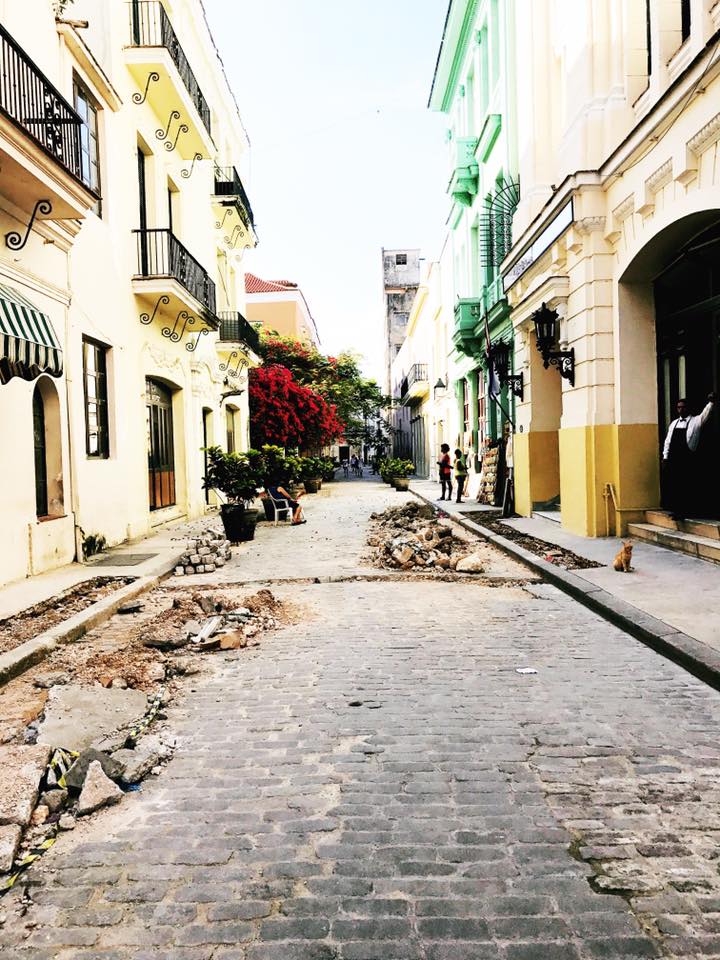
(288, 414)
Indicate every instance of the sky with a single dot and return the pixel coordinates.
(346, 158)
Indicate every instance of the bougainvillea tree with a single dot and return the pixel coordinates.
(286, 413)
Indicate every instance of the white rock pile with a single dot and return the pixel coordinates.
(205, 554)
(413, 536)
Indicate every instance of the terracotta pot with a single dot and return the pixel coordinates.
(312, 486)
(401, 483)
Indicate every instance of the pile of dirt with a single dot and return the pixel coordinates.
(43, 616)
(541, 548)
(414, 536)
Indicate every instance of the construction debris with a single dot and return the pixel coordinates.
(413, 536)
(98, 791)
(205, 554)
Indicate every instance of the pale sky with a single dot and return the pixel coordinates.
(346, 157)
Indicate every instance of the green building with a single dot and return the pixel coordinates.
(473, 85)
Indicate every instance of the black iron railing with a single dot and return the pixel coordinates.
(418, 372)
(150, 26)
(228, 184)
(235, 328)
(29, 99)
(160, 254)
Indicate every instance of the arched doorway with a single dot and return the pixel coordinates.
(669, 344)
(161, 448)
(687, 312)
(47, 450)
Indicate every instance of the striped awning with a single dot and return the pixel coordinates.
(28, 343)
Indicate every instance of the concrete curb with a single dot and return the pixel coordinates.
(691, 654)
(16, 661)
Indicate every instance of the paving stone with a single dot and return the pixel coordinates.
(443, 825)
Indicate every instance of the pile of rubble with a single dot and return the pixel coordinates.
(204, 622)
(414, 536)
(205, 554)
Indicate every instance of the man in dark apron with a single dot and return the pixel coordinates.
(681, 443)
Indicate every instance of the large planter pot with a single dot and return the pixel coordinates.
(401, 483)
(238, 521)
(312, 486)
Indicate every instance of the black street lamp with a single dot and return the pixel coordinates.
(546, 335)
(500, 359)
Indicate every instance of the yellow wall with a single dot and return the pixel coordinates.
(284, 317)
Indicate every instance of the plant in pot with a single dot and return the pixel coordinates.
(328, 469)
(401, 470)
(237, 477)
(384, 468)
(310, 473)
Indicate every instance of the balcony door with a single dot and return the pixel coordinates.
(142, 212)
(161, 454)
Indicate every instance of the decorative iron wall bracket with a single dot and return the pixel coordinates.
(147, 318)
(169, 145)
(140, 98)
(15, 240)
(164, 133)
(564, 360)
(186, 174)
(237, 370)
(191, 345)
(175, 335)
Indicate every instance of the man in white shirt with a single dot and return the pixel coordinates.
(681, 443)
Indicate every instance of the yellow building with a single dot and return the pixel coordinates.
(123, 346)
(280, 306)
(615, 254)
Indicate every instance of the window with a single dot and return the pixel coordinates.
(87, 108)
(648, 37)
(230, 421)
(685, 16)
(466, 407)
(97, 442)
(40, 448)
(481, 412)
(400, 259)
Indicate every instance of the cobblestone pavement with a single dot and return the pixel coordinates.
(380, 783)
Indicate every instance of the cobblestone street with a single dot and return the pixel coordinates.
(380, 783)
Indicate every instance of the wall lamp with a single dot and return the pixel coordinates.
(440, 387)
(546, 334)
(500, 355)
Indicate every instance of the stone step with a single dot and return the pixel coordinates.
(697, 527)
(706, 548)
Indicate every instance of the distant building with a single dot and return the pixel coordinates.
(280, 306)
(401, 279)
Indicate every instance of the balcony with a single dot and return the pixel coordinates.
(234, 328)
(172, 283)
(232, 208)
(166, 81)
(39, 139)
(463, 186)
(468, 336)
(415, 386)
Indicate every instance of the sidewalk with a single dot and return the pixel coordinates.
(161, 549)
(681, 594)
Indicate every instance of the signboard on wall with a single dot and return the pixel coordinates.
(557, 226)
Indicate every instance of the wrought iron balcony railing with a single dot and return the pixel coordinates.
(29, 99)
(229, 184)
(235, 329)
(160, 254)
(150, 26)
(418, 373)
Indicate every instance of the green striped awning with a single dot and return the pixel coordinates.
(28, 343)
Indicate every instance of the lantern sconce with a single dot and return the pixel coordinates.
(546, 334)
(500, 355)
(439, 388)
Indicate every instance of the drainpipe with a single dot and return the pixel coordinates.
(74, 501)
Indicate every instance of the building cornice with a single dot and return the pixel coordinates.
(451, 55)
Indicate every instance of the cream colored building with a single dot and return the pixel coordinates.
(280, 306)
(426, 367)
(617, 233)
(119, 133)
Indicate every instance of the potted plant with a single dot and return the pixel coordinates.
(310, 473)
(237, 476)
(401, 470)
(328, 469)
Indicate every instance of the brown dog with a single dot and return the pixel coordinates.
(622, 561)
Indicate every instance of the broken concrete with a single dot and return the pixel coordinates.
(472, 564)
(75, 716)
(9, 843)
(21, 770)
(54, 800)
(99, 791)
(76, 775)
(137, 764)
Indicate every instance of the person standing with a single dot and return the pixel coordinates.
(461, 473)
(681, 444)
(445, 466)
